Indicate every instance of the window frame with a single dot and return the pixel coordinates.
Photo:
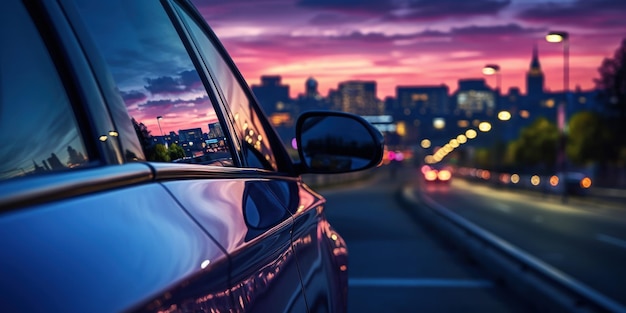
(284, 163)
(64, 56)
(208, 82)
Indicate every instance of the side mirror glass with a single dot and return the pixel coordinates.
(337, 142)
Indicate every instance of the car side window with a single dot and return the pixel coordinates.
(37, 121)
(173, 115)
(256, 146)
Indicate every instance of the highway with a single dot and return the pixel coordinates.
(397, 263)
(400, 263)
(583, 238)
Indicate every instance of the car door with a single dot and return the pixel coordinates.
(320, 252)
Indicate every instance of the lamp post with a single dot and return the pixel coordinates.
(159, 118)
(563, 37)
(491, 69)
(494, 69)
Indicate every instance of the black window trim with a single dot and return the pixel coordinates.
(208, 82)
(283, 160)
(108, 100)
(70, 66)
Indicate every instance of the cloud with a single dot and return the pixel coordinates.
(375, 7)
(585, 13)
(133, 97)
(410, 9)
(185, 81)
(430, 10)
(495, 30)
(176, 103)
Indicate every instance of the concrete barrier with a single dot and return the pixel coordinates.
(545, 287)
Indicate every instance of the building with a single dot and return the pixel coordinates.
(273, 96)
(474, 96)
(416, 106)
(358, 97)
(419, 100)
(534, 81)
(191, 140)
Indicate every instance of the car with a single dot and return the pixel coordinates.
(138, 172)
(571, 183)
(436, 173)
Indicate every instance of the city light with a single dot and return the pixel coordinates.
(489, 71)
(504, 115)
(535, 180)
(461, 139)
(471, 134)
(556, 36)
(484, 127)
(425, 143)
(515, 178)
(439, 123)
(554, 180)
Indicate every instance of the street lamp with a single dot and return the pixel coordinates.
(491, 69)
(557, 37)
(159, 118)
(494, 69)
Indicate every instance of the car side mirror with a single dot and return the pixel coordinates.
(337, 142)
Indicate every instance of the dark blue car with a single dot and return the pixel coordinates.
(138, 174)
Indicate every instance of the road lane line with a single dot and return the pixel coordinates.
(612, 240)
(502, 207)
(418, 282)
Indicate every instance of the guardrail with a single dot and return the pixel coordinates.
(330, 180)
(547, 288)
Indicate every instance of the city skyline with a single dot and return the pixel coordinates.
(398, 43)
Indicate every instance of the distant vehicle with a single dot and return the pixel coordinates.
(139, 173)
(575, 183)
(436, 173)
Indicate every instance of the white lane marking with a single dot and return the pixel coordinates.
(612, 240)
(417, 282)
(503, 207)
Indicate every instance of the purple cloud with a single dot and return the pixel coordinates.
(184, 82)
(175, 102)
(588, 13)
(375, 7)
(133, 97)
(411, 10)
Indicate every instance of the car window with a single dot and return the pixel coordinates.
(173, 115)
(256, 146)
(37, 123)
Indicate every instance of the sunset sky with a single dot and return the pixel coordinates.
(414, 42)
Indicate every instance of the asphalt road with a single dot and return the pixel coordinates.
(584, 238)
(397, 264)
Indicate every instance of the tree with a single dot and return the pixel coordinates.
(176, 152)
(160, 153)
(612, 91)
(536, 146)
(589, 138)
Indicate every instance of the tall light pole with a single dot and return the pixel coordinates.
(563, 37)
(159, 118)
(494, 69)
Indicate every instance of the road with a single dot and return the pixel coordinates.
(397, 264)
(585, 239)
